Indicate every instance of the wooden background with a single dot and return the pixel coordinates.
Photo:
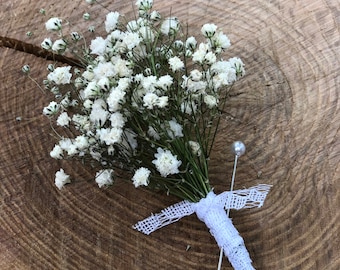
(286, 110)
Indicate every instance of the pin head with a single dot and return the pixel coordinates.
(238, 148)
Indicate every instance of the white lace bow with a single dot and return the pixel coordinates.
(211, 210)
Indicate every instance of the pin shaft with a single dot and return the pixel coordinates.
(228, 210)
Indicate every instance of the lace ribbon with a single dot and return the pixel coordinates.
(211, 210)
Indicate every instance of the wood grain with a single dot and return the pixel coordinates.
(286, 110)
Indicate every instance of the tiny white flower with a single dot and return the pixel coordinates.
(110, 136)
(132, 26)
(115, 36)
(208, 30)
(57, 152)
(106, 69)
(150, 100)
(59, 46)
(221, 41)
(117, 120)
(98, 46)
(199, 55)
(91, 90)
(144, 5)
(81, 122)
(149, 83)
(104, 177)
(224, 78)
(123, 84)
(220, 66)
(66, 102)
(104, 83)
(196, 75)
(131, 40)
(166, 163)
(61, 179)
(115, 99)
(121, 67)
(170, 26)
(63, 120)
(179, 45)
(88, 75)
(165, 82)
(225, 72)
(210, 58)
(238, 65)
(155, 15)
(176, 63)
(191, 43)
(81, 142)
(65, 143)
(99, 114)
(53, 24)
(111, 21)
(72, 150)
(60, 75)
(47, 44)
(51, 109)
(141, 177)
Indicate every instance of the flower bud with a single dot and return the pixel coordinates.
(86, 16)
(50, 67)
(26, 69)
(75, 36)
(47, 44)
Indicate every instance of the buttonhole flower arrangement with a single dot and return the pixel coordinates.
(146, 98)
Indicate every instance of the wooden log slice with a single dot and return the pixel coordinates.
(286, 110)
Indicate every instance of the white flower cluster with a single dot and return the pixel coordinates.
(136, 102)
